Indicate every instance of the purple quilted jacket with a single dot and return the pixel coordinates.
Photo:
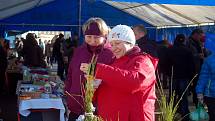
(75, 78)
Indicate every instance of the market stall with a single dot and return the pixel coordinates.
(40, 91)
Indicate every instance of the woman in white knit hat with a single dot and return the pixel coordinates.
(127, 91)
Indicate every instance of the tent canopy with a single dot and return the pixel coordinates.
(70, 15)
(164, 15)
(65, 15)
(177, 2)
(12, 7)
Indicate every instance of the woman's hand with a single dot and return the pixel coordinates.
(84, 67)
(96, 83)
(200, 98)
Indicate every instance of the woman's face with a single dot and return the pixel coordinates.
(94, 40)
(120, 48)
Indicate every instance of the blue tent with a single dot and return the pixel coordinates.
(64, 15)
(69, 15)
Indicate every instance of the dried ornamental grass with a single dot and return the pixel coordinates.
(89, 92)
(168, 108)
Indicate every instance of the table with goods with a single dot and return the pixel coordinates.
(41, 90)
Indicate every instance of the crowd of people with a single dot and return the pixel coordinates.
(182, 61)
(128, 65)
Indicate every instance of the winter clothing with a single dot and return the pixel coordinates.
(3, 67)
(75, 79)
(196, 49)
(58, 55)
(33, 54)
(123, 33)
(48, 50)
(93, 29)
(127, 90)
(181, 58)
(147, 46)
(179, 86)
(195, 46)
(3, 58)
(206, 82)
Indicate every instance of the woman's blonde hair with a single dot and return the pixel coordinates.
(101, 25)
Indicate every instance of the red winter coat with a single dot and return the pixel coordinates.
(127, 91)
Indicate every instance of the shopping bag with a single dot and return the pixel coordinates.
(199, 114)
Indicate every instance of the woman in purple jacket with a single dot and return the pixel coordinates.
(95, 31)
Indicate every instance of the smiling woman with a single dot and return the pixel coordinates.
(94, 40)
(95, 31)
(129, 81)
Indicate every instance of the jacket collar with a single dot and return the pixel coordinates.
(134, 51)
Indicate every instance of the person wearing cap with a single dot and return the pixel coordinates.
(95, 33)
(127, 90)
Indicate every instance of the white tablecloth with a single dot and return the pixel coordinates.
(25, 105)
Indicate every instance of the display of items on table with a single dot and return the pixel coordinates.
(37, 84)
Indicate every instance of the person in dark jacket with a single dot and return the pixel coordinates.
(143, 42)
(58, 55)
(32, 53)
(195, 45)
(180, 58)
(67, 53)
(3, 64)
(163, 63)
(75, 40)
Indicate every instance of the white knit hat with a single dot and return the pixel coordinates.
(123, 33)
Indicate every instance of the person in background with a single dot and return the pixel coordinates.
(195, 46)
(205, 87)
(95, 32)
(32, 53)
(58, 55)
(67, 53)
(180, 58)
(163, 63)
(6, 45)
(48, 52)
(75, 40)
(3, 64)
(18, 47)
(143, 42)
(127, 90)
(41, 44)
(205, 50)
(53, 59)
